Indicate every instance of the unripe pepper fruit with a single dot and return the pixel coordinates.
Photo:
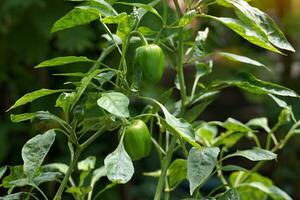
(150, 60)
(137, 140)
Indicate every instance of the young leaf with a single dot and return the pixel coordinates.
(115, 103)
(118, 165)
(146, 7)
(29, 97)
(200, 164)
(255, 154)
(35, 150)
(177, 171)
(63, 61)
(231, 194)
(187, 18)
(273, 191)
(87, 164)
(65, 101)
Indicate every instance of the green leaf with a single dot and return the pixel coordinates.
(63, 61)
(22, 117)
(118, 165)
(81, 191)
(46, 177)
(232, 125)
(260, 123)
(101, 6)
(200, 164)
(87, 164)
(83, 85)
(178, 126)
(35, 150)
(115, 103)
(65, 101)
(63, 168)
(146, 7)
(105, 77)
(29, 97)
(14, 196)
(251, 84)
(75, 17)
(255, 154)
(125, 24)
(231, 194)
(273, 191)
(245, 31)
(187, 18)
(260, 22)
(177, 171)
(233, 168)
(16, 177)
(242, 59)
(206, 133)
(2, 171)
(96, 175)
(246, 192)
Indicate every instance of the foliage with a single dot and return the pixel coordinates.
(98, 101)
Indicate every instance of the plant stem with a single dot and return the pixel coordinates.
(180, 70)
(64, 182)
(165, 164)
(92, 138)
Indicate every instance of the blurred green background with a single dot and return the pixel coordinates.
(25, 41)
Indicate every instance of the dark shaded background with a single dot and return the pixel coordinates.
(25, 41)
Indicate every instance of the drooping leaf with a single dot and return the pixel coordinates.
(260, 22)
(242, 59)
(178, 126)
(29, 97)
(115, 103)
(200, 164)
(118, 165)
(260, 123)
(177, 171)
(255, 154)
(35, 150)
(231, 194)
(245, 31)
(63, 61)
(254, 85)
(96, 175)
(46, 177)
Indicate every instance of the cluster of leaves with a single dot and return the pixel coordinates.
(98, 103)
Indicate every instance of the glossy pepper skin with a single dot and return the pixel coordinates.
(137, 140)
(151, 60)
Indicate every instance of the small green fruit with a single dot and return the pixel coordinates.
(137, 140)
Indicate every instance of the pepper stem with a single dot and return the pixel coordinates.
(140, 35)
